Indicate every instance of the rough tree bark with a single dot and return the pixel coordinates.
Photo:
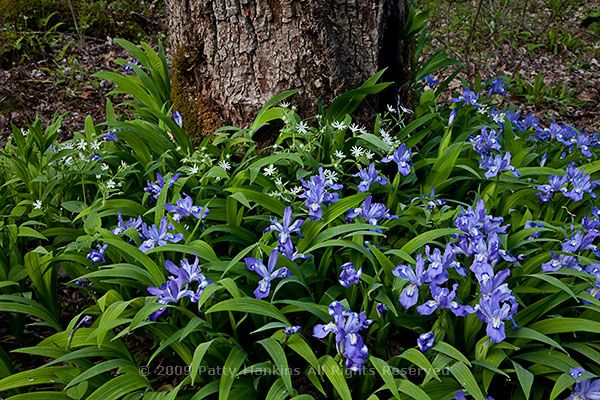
(230, 56)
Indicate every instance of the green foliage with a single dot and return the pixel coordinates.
(61, 200)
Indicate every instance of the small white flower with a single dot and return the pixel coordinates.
(386, 138)
(302, 127)
(225, 165)
(330, 176)
(37, 205)
(295, 190)
(363, 130)
(270, 170)
(482, 110)
(391, 109)
(354, 128)
(278, 181)
(68, 161)
(339, 154)
(82, 145)
(111, 184)
(406, 110)
(178, 148)
(67, 146)
(123, 164)
(194, 169)
(369, 154)
(498, 118)
(356, 151)
(284, 104)
(104, 167)
(338, 125)
(95, 145)
(98, 176)
(275, 194)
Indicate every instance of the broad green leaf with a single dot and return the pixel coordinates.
(230, 368)
(336, 376)
(386, 374)
(279, 359)
(466, 379)
(251, 306)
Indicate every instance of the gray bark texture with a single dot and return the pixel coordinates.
(230, 56)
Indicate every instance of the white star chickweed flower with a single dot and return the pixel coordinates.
(296, 190)
(369, 154)
(340, 126)
(330, 175)
(354, 128)
(225, 165)
(81, 145)
(194, 169)
(406, 110)
(356, 151)
(270, 170)
(95, 145)
(339, 154)
(302, 127)
(111, 184)
(37, 205)
(104, 167)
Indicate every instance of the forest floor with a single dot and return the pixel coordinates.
(549, 51)
(542, 47)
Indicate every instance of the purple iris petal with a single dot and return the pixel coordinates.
(97, 255)
(345, 326)
(286, 229)
(425, 341)
(185, 207)
(268, 273)
(401, 156)
(159, 235)
(349, 275)
(317, 195)
(368, 176)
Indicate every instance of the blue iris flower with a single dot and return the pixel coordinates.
(159, 235)
(426, 341)
(468, 98)
(154, 188)
(286, 228)
(186, 207)
(497, 164)
(345, 326)
(97, 255)
(417, 277)
(371, 212)
(443, 298)
(268, 273)
(178, 118)
(122, 226)
(401, 156)
(317, 195)
(349, 275)
(368, 177)
(586, 390)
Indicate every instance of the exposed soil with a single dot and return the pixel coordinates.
(521, 40)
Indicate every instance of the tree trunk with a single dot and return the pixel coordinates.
(230, 56)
